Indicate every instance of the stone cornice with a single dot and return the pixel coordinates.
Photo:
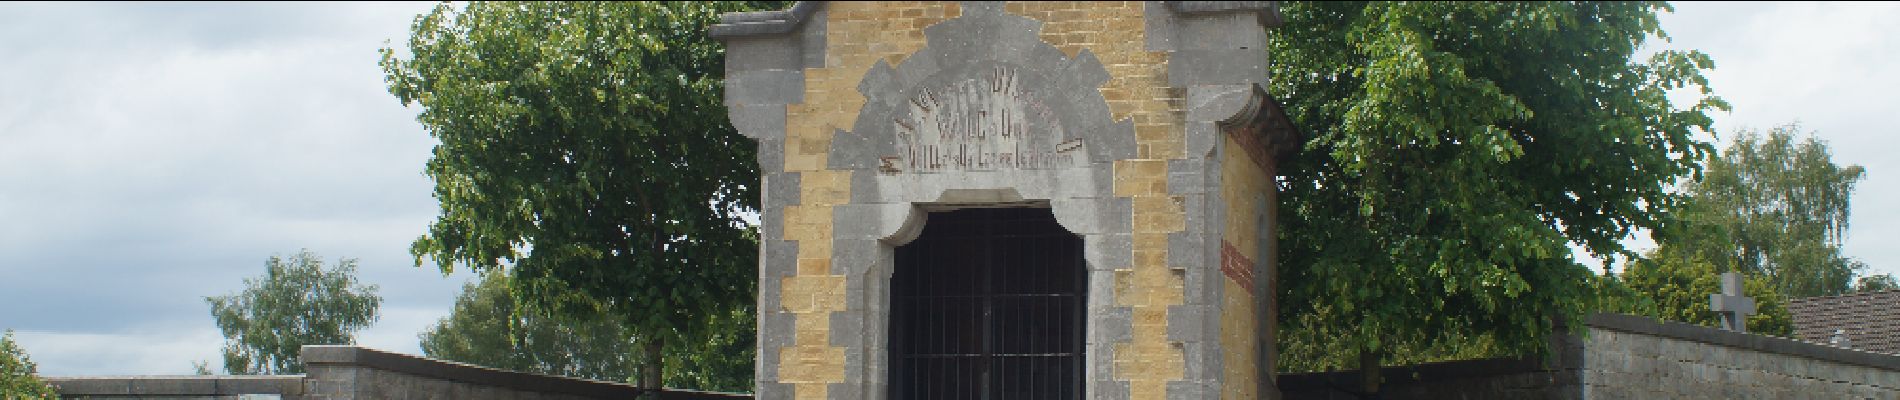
(759, 23)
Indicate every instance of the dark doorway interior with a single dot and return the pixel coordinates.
(988, 304)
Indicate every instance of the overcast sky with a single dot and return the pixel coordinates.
(155, 154)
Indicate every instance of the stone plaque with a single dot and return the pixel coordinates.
(981, 123)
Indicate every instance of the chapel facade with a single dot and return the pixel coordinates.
(1000, 200)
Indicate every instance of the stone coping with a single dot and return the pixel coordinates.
(1453, 370)
(460, 372)
(732, 25)
(315, 356)
(1762, 343)
(757, 23)
(358, 357)
(179, 385)
(1267, 11)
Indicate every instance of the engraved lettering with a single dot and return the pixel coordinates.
(980, 123)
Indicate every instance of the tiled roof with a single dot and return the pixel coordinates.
(1869, 321)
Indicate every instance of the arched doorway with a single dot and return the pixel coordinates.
(989, 303)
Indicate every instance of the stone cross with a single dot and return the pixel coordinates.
(1735, 307)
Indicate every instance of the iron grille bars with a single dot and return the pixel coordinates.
(989, 304)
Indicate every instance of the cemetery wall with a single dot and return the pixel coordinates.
(349, 372)
(1631, 357)
(1634, 357)
(206, 387)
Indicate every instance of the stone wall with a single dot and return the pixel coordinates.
(1473, 379)
(1633, 357)
(349, 372)
(178, 387)
(1630, 357)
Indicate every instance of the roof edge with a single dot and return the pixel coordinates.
(1268, 11)
(1843, 296)
(760, 23)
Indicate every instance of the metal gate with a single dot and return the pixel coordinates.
(988, 304)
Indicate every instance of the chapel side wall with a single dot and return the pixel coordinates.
(1245, 190)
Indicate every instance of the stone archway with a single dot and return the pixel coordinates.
(985, 114)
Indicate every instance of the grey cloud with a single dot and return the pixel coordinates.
(154, 154)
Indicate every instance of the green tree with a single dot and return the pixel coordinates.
(490, 327)
(201, 367)
(486, 328)
(1316, 346)
(17, 379)
(721, 359)
(297, 302)
(1875, 283)
(1773, 205)
(585, 145)
(1676, 288)
(1454, 149)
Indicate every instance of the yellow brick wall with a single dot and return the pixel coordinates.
(1243, 181)
(857, 34)
(1137, 91)
(860, 33)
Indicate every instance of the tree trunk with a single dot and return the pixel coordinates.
(1369, 373)
(650, 375)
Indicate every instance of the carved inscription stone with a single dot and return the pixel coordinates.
(988, 122)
